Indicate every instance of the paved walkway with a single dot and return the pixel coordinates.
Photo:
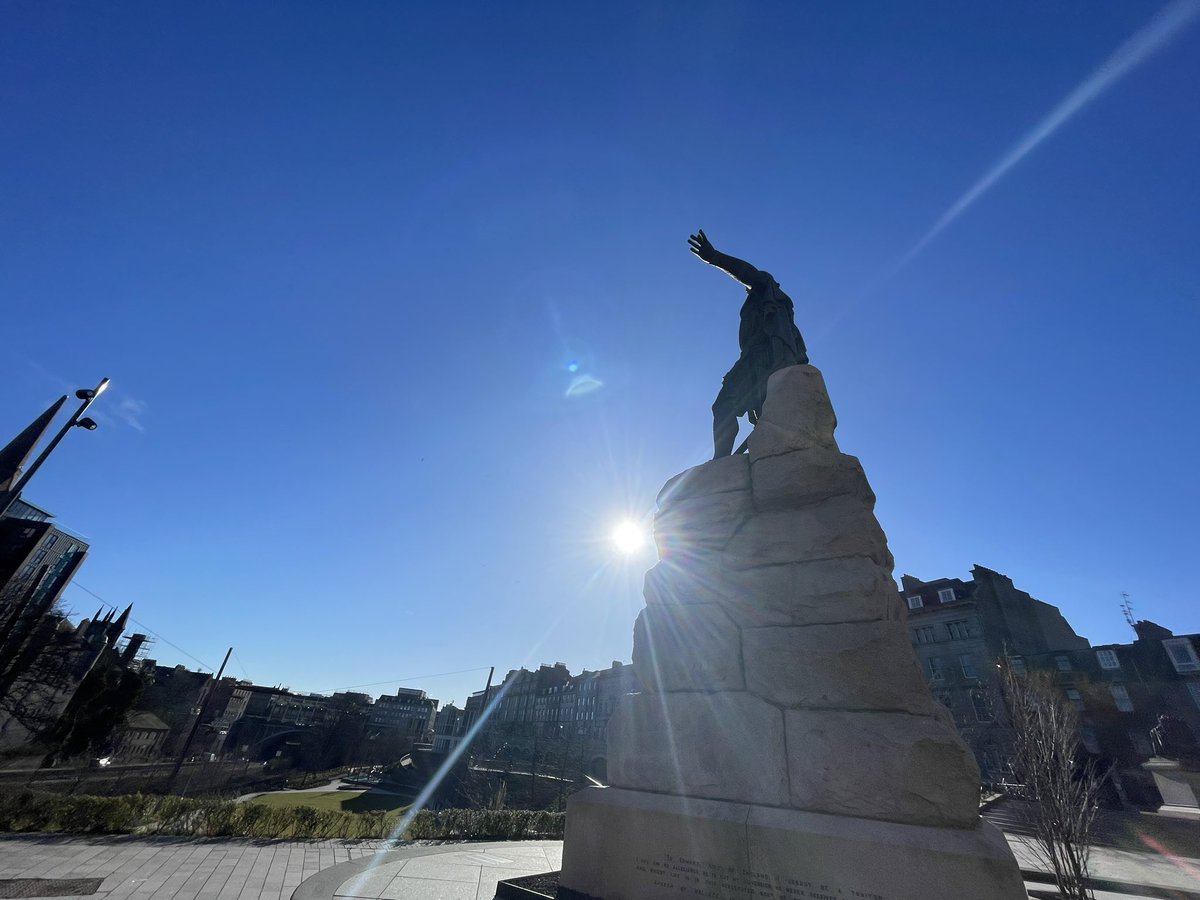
(447, 872)
(225, 869)
(178, 868)
(1130, 848)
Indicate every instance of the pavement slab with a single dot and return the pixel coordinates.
(150, 868)
(430, 889)
(172, 868)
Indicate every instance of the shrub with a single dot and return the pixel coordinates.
(484, 824)
(145, 814)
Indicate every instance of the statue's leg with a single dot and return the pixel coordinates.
(725, 431)
(725, 423)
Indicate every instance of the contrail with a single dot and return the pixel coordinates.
(1151, 37)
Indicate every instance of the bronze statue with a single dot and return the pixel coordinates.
(767, 336)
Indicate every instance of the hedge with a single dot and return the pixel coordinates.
(150, 814)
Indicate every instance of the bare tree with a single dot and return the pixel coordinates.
(1061, 788)
(35, 660)
(57, 694)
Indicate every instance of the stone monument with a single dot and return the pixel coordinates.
(786, 745)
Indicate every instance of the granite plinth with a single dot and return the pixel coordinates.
(632, 845)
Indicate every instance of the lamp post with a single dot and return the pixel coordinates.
(78, 420)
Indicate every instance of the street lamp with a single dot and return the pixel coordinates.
(88, 396)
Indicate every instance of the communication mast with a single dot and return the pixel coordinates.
(1127, 609)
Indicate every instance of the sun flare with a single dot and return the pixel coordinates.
(629, 537)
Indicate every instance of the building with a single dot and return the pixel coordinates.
(960, 629)
(267, 722)
(245, 721)
(1122, 692)
(551, 698)
(516, 697)
(522, 696)
(409, 712)
(448, 728)
(1126, 694)
(397, 724)
(141, 737)
(65, 685)
(598, 695)
(246, 701)
(38, 558)
(299, 709)
(550, 711)
(173, 695)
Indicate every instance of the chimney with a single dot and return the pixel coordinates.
(1151, 631)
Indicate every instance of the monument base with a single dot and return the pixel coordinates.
(633, 845)
(1179, 786)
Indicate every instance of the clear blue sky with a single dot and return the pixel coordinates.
(337, 259)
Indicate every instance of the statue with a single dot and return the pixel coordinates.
(767, 336)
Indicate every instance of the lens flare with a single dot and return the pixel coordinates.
(582, 385)
(629, 537)
(1144, 43)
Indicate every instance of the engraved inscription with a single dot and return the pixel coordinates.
(713, 881)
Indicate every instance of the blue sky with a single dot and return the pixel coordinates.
(338, 260)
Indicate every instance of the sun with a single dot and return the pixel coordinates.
(629, 537)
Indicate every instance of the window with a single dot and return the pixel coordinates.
(1194, 690)
(936, 672)
(1062, 663)
(946, 595)
(967, 663)
(1076, 698)
(51, 541)
(1018, 664)
(924, 634)
(1087, 737)
(1108, 659)
(983, 709)
(1121, 697)
(1182, 654)
(915, 602)
(957, 630)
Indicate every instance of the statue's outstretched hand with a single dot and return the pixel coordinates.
(702, 246)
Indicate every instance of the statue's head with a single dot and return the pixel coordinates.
(766, 282)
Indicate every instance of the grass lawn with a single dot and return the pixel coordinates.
(344, 801)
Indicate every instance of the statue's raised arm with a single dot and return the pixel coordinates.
(738, 269)
(768, 340)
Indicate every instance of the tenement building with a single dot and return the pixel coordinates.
(448, 729)
(409, 712)
(546, 710)
(960, 629)
(1135, 701)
